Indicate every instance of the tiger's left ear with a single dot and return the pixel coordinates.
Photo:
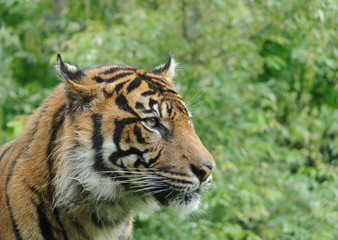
(67, 71)
(166, 70)
(77, 93)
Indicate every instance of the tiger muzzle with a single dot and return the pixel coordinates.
(201, 162)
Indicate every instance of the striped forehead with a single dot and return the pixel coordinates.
(130, 79)
(172, 107)
(108, 73)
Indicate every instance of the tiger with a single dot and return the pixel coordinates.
(107, 143)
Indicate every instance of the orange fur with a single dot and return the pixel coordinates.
(88, 158)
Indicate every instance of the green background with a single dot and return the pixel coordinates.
(259, 76)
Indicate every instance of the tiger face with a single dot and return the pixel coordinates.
(130, 140)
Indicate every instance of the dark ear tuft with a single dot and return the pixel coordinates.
(77, 94)
(67, 71)
(168, 69)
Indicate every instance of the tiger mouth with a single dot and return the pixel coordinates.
(167, 197)
(190, 196)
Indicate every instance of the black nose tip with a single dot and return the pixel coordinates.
(203, 171)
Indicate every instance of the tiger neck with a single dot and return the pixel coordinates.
(99, 221)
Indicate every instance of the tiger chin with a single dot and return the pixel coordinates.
(107, 143)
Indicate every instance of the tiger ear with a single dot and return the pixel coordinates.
(77, 94)
(67, 71)
(168, 69)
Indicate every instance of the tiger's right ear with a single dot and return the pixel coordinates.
(78, 95)
(168, 69)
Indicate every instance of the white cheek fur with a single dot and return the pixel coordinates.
(181, 206)
(76, 175)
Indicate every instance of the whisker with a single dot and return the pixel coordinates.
(169, 194)
(195, 105)
(146, 189)
(154, 192)
(148, 184)
(133, 172)
(194, 98)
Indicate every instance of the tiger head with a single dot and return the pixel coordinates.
(129, 139)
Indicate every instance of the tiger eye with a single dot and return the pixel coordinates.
(152, 122)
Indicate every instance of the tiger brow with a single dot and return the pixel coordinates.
(117, 68)
(156, 108)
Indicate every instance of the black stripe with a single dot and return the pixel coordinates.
(165, 170)
(56, 125)
(158, 85)
(162, 197)
(152, 102)
(120, 154)
(147, 110)
(134, 84)
(171, 99)
(58, 120)
(118, 76)
(117, 89)
(45, 225)
(174, 114)
(148, 93)
(155, 79)
(169, 91)
(121, 101)
(119, 126)
(139, 105)
(108, 94)
(138, 134)
(139, 162)
(153, 160)
(119, 86)
(118, 68)
(165, 196)
(9, 159)
(169, 109)
(14, 224)
(80, 228)
(179, 109)
(184, 109)
(179, 105)
(97, 140)
(164, 132)
(58, 219)
(8, 178)
(5, 151)
(176, 180)
(50, 148)
(98, 79)
(42, 110)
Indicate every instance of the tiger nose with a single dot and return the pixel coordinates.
(203, 171)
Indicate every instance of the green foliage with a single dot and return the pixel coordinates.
(259, 76)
